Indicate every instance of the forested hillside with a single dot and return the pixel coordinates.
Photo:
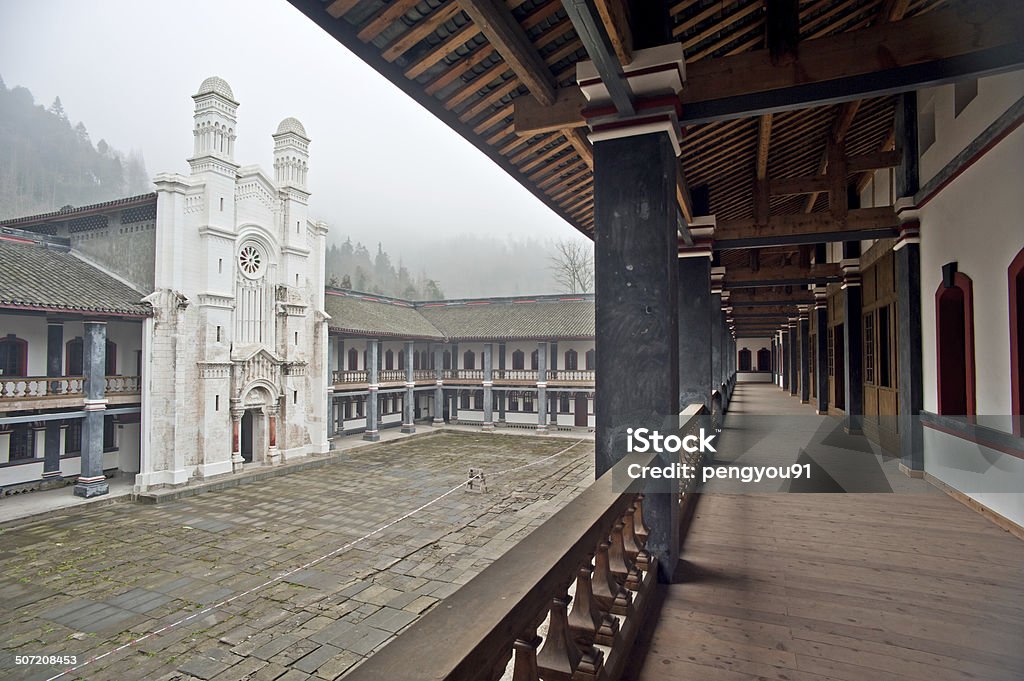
(46, 162)
(351, 266)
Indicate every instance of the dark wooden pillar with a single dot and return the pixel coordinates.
(793, 358)
(853, 339)
(695, 384)
(784, 358)
(908, 334)
(805, 358)
(91, 481)
(635, 253)
(438, 385)
(821, 349)
(488, 361)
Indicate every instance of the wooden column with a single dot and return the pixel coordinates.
(91, 481)
(636, 315)
(695, 384)
(821, 348)
(853, 339)
(805, 358)
(909, 360)
(439, 385)
(793, 364)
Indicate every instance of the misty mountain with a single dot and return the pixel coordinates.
(48, 163)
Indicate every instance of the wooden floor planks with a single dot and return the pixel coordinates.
(840, 587)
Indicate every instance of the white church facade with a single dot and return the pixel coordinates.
(176, 335)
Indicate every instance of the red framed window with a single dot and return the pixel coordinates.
(13, 356)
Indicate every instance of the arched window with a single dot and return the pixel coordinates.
(13, 356)
(74, 364)
(954, 322)
(571, 360)
(1016, 283)
(744, 359)
(468, 360)
(764, 359)
(464, 399)
(353, 359)
(518, 360)
(590, 358)
(446, 360)
(401, 359)
(389, 360)
(534, 362)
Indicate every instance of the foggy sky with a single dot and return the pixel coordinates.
(381, 167)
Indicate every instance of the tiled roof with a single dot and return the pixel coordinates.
(37, 275)
(66, 213)
(487, 318)
(365, 314)
(500, 319)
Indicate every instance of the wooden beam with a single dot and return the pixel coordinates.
(506, 36)
(808, 184)
(531, 117)
(764, 135)
(804, 228)
(965, 39)
(754, 297)
(782, 275)
(840, 126)
(838, 199)
(614, 16)
(875, 161)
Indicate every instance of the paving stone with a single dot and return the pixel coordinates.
(120, 571)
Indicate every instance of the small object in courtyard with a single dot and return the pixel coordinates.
(477, 482)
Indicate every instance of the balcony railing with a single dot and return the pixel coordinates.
(597, 541)
(515, 375)
(49, 387)
(424, 375)
(350, 376)
(582, 375)
(391, 375)
(122, 384)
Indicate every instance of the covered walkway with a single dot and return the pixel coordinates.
(911, 585)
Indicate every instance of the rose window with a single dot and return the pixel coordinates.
(250, 261)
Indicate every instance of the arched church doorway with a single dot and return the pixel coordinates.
(247, 420)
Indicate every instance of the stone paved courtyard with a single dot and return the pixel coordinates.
(84, 583)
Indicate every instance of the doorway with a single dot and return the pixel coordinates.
(247, 436)
(581, 410)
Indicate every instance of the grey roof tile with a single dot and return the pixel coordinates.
(37, 276)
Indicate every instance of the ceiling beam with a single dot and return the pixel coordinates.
(591, 31)
(782, 276)
(753, 297)
(615, 18)
(509, 39)
(963, 40)
(807, 228)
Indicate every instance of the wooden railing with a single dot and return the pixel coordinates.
(350, 376)
(596, 541)
(35, 387)
(582, 375)
(391, 375)
(424, 375)
(477, 374)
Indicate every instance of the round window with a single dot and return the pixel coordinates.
(250, 261)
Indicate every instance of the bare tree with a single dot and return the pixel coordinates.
(573, 266)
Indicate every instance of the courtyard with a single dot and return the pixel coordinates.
(87, 583)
